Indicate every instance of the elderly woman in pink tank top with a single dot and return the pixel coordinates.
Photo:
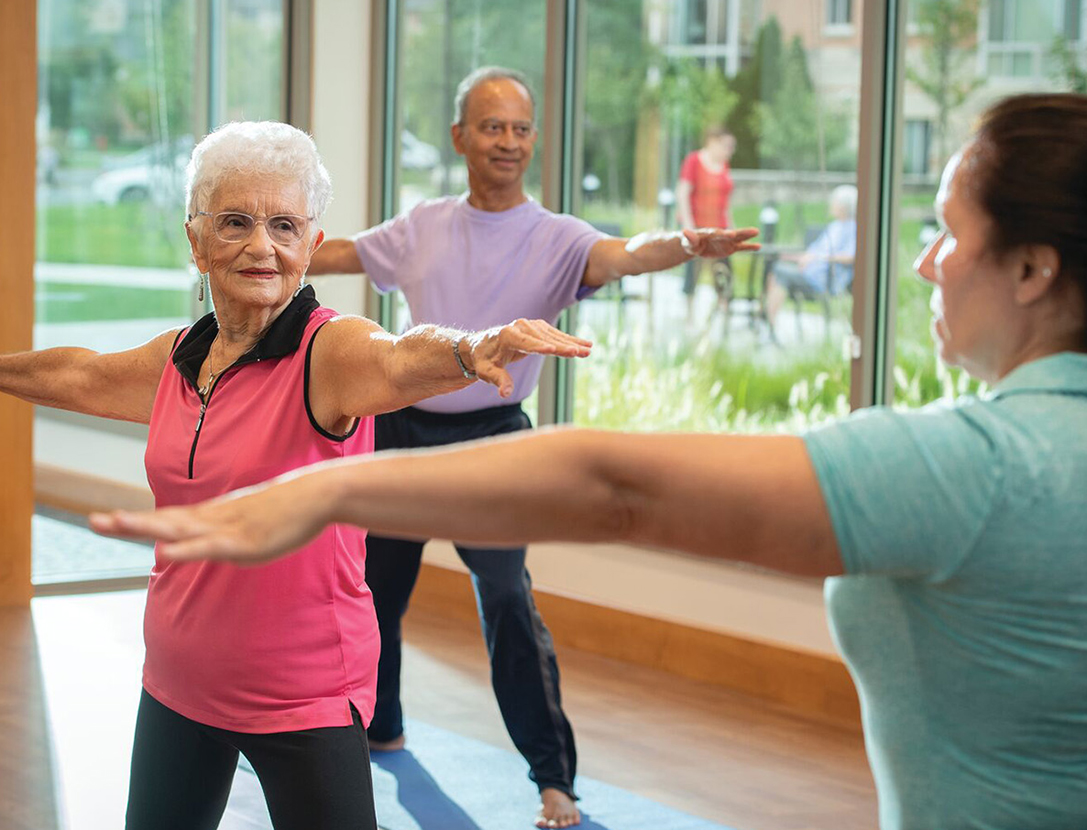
(278, 662)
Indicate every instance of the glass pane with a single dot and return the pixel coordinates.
(115, 128)
(754, 343)
(942, 66)
(114, 135)
(441, 42)
(252, 68)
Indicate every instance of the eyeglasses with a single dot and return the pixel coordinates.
(231, 226)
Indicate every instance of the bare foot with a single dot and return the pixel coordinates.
(388, 746)
(557, 809)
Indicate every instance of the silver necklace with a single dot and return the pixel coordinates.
(212, 374)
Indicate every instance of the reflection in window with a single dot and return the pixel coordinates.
(719, 345)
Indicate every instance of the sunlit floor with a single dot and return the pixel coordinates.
(694, 747)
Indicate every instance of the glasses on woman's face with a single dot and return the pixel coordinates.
(232, 226)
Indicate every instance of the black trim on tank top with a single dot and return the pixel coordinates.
(305, 395)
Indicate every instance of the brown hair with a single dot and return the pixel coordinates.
(715, 131)
(1030, 165)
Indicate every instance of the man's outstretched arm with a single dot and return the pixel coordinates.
(335, 256)
(610, 259)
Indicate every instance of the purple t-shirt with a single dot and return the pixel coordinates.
(472, 269)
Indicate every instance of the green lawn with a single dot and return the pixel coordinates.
(61, 302)
(139, 234)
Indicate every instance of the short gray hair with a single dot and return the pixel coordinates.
(488, 73)
(846, 196)
(267, 148)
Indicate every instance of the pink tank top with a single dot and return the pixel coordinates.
(280, 647)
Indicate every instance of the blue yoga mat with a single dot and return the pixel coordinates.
(444, 781)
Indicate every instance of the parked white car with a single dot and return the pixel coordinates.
(416, 154)
(153, 173)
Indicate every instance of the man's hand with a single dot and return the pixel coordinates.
(717, 243)
(494, 349)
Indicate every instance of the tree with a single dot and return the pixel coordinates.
(693, 97)
(614, 85)
(948, 28)
(755, 84)
(797, 131)
(1069, 74)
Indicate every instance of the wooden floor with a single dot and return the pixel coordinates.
(695, 747)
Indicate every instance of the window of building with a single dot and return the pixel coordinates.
(839, 12)
(916, 146)
(1030, 39)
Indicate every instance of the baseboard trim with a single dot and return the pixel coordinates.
(78, 492)
(814, 685)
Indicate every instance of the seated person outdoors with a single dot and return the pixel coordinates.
(826, 266)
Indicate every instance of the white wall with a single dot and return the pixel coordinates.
(340, 125)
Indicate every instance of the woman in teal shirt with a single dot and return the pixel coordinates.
(954, 535)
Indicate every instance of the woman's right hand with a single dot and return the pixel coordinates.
(494, 349)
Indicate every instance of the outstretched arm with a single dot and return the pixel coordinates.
(335, 256)
(359, 369)
(610, 259)
(117, 385)
(750, 499)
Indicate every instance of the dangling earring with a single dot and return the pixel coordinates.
(200, 293)
(301, 285)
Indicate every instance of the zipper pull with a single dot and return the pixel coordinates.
(200, 422)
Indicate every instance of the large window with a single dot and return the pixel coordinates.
(754, 343)
(442, 41)
(945, 85)
(125, 89)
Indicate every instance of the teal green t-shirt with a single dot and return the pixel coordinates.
(963, 612)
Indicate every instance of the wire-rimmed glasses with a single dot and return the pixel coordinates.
(234, 226)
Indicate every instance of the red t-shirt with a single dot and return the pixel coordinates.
(710, 191)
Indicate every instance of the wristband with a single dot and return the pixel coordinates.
(460, 361)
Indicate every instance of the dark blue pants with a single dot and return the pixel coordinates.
(313, 779)
(524, 671)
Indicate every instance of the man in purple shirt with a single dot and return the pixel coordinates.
(474, 261)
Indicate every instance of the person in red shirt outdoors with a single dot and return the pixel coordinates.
(702, 194)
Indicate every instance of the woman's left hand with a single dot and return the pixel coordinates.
(494, 349)
(717, 243)
(249, 526)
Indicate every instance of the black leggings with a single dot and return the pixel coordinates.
(182, 772)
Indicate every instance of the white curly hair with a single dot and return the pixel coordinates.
(256, 147)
